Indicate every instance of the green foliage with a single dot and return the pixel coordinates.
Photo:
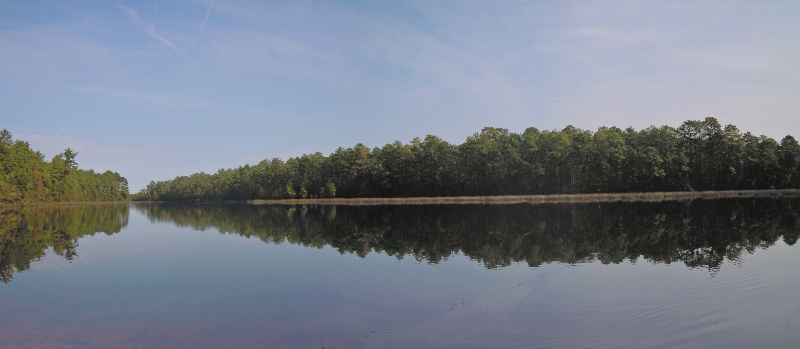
(290, 193)
(330, 190)
(698, 155)
(26, 178)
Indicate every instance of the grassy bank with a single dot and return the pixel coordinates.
(541, 199)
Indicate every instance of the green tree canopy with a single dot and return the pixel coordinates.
(697, 155)
(26, 178)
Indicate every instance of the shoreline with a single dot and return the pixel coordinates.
(475, 200)
(541, 199)
(58, 204)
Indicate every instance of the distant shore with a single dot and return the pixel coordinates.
(541, 199)
(486, 200)
(60, 204)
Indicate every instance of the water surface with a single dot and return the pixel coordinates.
(705, 273)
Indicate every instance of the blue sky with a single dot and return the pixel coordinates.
(157, 89)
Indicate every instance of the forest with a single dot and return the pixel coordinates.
(696, 156)
(27, 178)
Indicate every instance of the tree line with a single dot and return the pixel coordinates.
(698, 155)
(27, 178)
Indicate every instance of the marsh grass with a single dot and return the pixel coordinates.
(543, 199)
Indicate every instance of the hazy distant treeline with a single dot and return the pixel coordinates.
(25, 177)
(698, 155)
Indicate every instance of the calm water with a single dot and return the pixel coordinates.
(721, 273)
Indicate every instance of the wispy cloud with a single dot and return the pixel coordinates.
(50, 145)
(444, 68)
(731, 60)
(155, 20)
(151, 30)
(269, 54)
(286, 77)
(150, 99)
(33, 56)
(610, 35)
(205, 20)
(126, 160)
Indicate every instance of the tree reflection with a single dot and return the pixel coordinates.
(699, 233)
(26, 234)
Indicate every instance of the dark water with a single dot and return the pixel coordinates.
(706, 273)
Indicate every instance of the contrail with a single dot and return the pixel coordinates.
(205, 20)
(151, 30)
(155, 20)
(154, 35)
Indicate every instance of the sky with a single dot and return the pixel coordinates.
(163, 88)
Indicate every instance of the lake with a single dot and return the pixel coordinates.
(701, 273)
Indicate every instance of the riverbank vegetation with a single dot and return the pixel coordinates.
(696, 156)
(27, 178)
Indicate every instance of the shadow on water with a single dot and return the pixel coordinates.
(698, 233)
(26, 234)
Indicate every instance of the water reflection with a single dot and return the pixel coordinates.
(699, 233)
(26, 234)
